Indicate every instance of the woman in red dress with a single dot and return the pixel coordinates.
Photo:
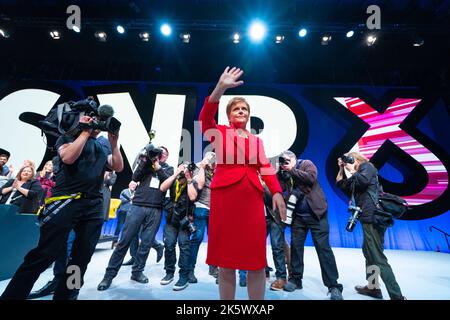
(237, 227)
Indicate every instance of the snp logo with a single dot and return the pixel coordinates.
(74, 279)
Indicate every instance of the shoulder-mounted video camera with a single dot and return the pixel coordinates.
(65, 118)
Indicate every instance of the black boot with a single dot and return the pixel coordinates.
(129, 262)
(46, 290)
(104, 284)
(139, 277)
(159, 253)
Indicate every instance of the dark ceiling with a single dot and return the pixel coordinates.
(30, 53)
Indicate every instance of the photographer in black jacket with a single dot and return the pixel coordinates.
(179, 226)
(144, 216)
(363, 182)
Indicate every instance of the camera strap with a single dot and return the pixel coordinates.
(352, 198)
(179, 189)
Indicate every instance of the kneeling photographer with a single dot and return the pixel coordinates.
(363, 183)
(179, 225)
(76, 202)
(307, 205)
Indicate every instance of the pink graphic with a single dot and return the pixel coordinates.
(386, 127)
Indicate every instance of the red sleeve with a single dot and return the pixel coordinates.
(266, 170)
(207, 114)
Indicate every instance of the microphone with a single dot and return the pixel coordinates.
(105, 111)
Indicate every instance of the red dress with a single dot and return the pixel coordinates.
(237, 226)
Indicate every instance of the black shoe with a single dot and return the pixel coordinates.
(192, 278)
(129, 262)
(139, 277)
(46, 290)
(159, 253)
(167, 279)
(104, 284)
(182, 283)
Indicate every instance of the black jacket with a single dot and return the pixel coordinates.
(365, 180)
(147, 194)
(29, 204)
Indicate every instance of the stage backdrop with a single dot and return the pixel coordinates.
(403, 131)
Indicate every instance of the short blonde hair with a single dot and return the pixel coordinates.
(234, 101)
(357, 156)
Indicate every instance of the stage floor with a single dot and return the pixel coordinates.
(421, 275)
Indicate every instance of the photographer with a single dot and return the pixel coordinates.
(178, 227)
(76, 204)
(310, 213)
(144, 215)
(362, 183)
(200, 190)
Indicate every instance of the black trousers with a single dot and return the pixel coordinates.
(320, 232)
(85, 217)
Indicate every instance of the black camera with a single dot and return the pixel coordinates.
(65, 118)
(188, 225)
(347, 159)
(285, 175)
(284, 161)
(151, 152)
(191, 168)
(354, 217)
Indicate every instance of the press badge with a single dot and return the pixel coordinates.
(154, 183)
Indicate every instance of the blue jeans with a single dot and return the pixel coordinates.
(276, 233)
(201, 217)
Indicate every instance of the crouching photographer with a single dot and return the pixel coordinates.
(76, 203)
(179, 225)
(309, 211)
(360, 185)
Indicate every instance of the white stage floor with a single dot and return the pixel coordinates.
(421, 276)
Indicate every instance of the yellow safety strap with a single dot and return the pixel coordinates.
(70, 196)
(179, 190)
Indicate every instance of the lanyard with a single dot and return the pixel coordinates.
(179, 190)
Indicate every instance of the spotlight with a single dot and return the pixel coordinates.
(279, 39)
(326, 39)
(371, 40)
(166, 30)
(145, 36)
(185, 37)
(236, 38)
(101, 36)
(76, 29)
(55, 35)
(257, 31)
(350, 34)
(120, 29)
(418, 42)
(4, 33)
(302, 32)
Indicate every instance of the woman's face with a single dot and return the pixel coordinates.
(26, 174)
(352, 166)
(48, 167)
(239, 114)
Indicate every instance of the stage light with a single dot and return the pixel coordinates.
(101, 36)
(302, 32)
(257, 31)
(185, 37)
(120, 29)
(350, 34)
(371, 40)
(326, 39)
(166, 30)
(279, 39)
(145, 36)
(236, 38)
(418, 42)
(4, 33)
(76, 29)
(55, 34)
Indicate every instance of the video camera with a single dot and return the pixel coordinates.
(354, 217)
(65, 118)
